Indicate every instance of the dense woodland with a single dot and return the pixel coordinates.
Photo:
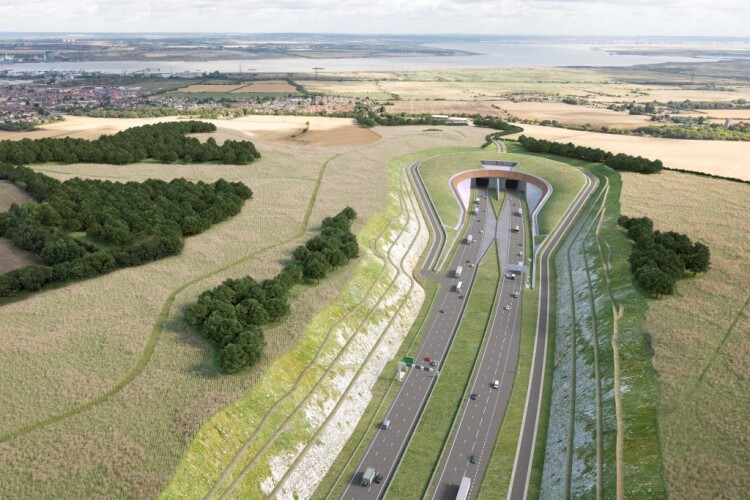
(659, 259)
(619, 161)
(232, 314)
(163, 142)
(84, 228)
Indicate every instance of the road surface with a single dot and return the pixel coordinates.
(388, 445)
(519, 482)
(480, 421)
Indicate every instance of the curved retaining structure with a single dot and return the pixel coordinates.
(513, 175)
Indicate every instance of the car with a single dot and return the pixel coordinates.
(474, 458)
(515, 295)
(471, 265)
(442, 310)
(378, 478)
(428, 358)
(467, 261)
(433, 363)
(474, 396)
(507, 308)
(460, 296)
(481, 232)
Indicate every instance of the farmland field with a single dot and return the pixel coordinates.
(209, 88)
(724, 158)
(104, 385)
(10, 256)
(601, 86)
(563, 113)
(307, 130)
(10, 194)
(700, 335)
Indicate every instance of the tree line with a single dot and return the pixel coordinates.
(709, 132)
(619, 161)
(659, 259)
(164, 142)
(496, 123)
(118, 224)
(232, 314)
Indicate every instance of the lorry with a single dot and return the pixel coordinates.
(463, 490)
(520, 211)
(476, 201)
(368, 476)
(457, 274)
(470, 238)
(458, 286)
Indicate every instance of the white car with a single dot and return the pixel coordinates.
(507, 308)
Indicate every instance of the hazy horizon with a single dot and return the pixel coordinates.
(511, 17)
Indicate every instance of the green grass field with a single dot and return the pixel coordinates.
(423, 452)
(566, 182)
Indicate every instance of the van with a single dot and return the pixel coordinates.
(458, 286)
(385, 425)
(368, 476)
(496, 384)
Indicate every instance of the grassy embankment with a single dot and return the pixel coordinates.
(385, 388)
(287, 386)
(421, 457)
(641, 469)
(566, 184)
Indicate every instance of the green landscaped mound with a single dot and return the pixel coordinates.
(124, 224)
(164, 142)
(233, 313)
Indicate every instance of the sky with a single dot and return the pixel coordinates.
(505, 17)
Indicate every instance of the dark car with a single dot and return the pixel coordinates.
(378, 478)
(474, 458)
(474, 396)
(460, 296)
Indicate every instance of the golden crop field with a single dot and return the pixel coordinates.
(725, 158)
(265, 86)
(310, 130)
(111, 379)
(446, 107)
(197, 88)
(572, 114)
(701, 335)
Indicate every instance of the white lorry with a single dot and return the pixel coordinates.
(457, 274)
(459, 285)
(469, 239)
(368, 476)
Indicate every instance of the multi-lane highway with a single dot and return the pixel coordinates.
(388, 444)
(519, 483)
(482, 416)
(480, 420)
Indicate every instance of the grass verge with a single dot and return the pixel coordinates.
(423, 453)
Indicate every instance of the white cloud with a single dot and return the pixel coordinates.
(571, 17)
